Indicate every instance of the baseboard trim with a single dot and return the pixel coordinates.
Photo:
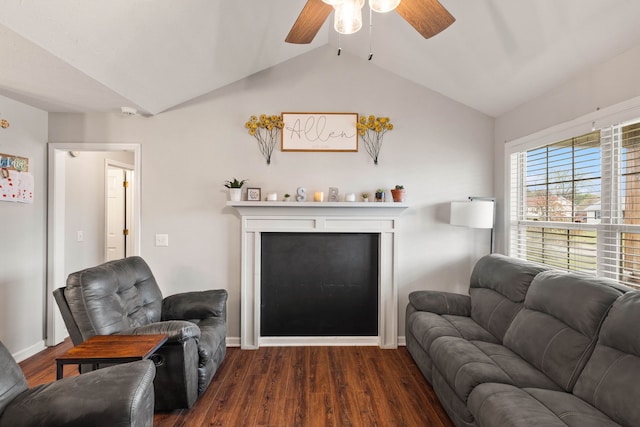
(29, 351)
(315, 341)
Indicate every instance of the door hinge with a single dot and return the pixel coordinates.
(125, 184)
(125, 231)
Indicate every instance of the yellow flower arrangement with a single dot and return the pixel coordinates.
(372, 129)
(4, 124)
(266, 130)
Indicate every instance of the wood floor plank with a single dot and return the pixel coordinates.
(297, 387)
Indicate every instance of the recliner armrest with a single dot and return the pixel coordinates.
(441, 302)
(120, 395)
(195, 305)
(177, 330)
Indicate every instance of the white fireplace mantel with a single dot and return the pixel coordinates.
(318, 217)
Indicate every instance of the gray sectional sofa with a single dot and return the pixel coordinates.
(530, 346)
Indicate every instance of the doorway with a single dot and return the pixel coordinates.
(57, 234)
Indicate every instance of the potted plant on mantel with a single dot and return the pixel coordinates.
(235, 189)
(398, 193)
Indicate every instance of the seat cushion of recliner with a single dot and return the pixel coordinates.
(506, 405)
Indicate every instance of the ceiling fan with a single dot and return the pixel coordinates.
(428, 17)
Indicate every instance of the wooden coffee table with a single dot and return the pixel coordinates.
(110, 349)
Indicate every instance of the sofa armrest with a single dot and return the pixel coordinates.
(195, 305)
(177, 330)
(120, 395)
(441, 302)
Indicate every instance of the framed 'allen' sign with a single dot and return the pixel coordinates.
(319, 132)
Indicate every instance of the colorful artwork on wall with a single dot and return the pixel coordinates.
(16, 183)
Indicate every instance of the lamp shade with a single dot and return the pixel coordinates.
(473, 214)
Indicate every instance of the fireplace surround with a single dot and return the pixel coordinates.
(318, 217)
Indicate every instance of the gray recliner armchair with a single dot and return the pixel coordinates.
(122, 297)
(117, 396)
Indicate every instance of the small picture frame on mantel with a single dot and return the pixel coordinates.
(253, 194)
(333, 194)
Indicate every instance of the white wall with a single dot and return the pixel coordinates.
(607, 84)
(22, 234)
(439, 150)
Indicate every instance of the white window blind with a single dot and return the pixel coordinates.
(575, 203)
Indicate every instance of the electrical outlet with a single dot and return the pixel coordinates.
(162, 240)
(79, 236)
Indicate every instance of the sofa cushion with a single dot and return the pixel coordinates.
(555, 334)
(498, 286)
(114, 296)
(505, 405)
(466, 364)
(426, 327)
(610, 379)
(453, 405)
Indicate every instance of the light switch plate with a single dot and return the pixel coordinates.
(162, 240)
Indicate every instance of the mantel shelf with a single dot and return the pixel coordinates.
(319, 208)
(320, 204)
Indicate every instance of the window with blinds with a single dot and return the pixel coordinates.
(575, 204)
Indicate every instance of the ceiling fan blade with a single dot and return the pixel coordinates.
(428, 17)
(313, 15)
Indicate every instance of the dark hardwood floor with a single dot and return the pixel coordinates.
(298, 386)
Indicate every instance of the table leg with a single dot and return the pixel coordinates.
(59, 368)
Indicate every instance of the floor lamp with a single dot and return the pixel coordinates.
(477, 212)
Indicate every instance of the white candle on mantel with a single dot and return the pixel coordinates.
(318, 196)
(272, 197)
(350, 197)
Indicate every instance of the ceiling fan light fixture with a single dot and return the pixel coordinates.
(383, 6)
(332, 3)
(348, 16)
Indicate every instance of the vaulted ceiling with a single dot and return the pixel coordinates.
(91, 55)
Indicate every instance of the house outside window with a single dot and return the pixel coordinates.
(575, 203)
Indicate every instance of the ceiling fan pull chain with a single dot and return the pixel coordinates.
(370, 32)
(339, 45)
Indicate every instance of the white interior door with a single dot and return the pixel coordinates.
(115, 224)
(118, 211)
